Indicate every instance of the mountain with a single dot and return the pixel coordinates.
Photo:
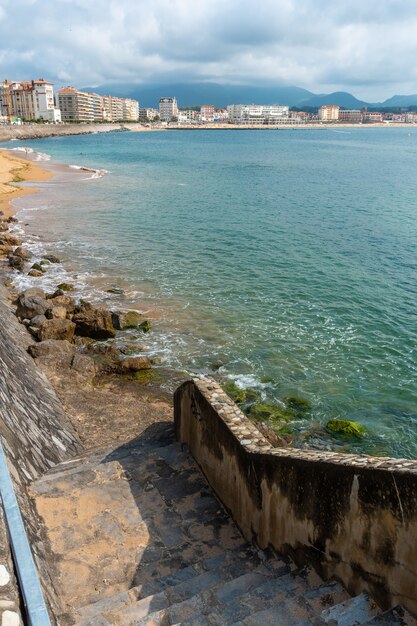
(400, 101)
(342, 98)
(194, 94)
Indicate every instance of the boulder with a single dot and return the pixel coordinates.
(12, 220)
(38, 267)
(56, 312)
(57, 329)
(4, 250)
(94, 323)
(63, 301)
(16, 262)
(52, 258)
(83, 364)
(4, 227)
(65, 287)
(30, 303)
(124, 320)
(50, 346)
(145, 326)
(346, 428)
(35, 273)
(24, 253)
(8, 240)
(136, 363)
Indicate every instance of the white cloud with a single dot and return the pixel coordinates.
(368, 48)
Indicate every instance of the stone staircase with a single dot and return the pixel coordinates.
(137, 538)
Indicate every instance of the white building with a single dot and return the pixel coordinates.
(257, 113)
(148, 114)
(168, 109)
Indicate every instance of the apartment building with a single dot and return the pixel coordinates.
(207, 113)
(29, 100)
(148, 114)
(168, 109)
(257, 113)
(329, 113)
(81, 106)
(350, 115)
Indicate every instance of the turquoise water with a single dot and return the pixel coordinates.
(287, 257)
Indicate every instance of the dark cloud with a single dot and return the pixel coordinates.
(318, 44)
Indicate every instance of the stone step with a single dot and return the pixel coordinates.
(296, 609)
(394, 617)
(227, 564)
(214, 602)
(351, 612)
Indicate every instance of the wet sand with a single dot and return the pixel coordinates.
(15, 170)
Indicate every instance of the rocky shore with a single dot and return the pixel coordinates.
(39, 131)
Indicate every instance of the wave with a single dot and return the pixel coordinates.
(37, 156)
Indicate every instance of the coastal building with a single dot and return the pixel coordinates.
(29, 100)
(148, 115)
(257, 113)
(168, 109)
(189, 116)
(81, 106)
(352, 116)
(78, 106)
(207, 113)
(220, 115)
(372, 117)
(329, 113)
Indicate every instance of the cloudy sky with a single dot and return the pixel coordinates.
(367, 47)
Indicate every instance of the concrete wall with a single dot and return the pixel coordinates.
(34, 430)
(351, 517)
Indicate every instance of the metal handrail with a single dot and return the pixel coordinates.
(27, 574)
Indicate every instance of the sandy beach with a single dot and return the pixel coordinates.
(16, 170)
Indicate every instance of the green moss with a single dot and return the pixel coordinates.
(299, 405)
(35, 273)
(132, 319)
(65, 287)
(346, 428)
(238, 395)
(145, 326)
(38, 267)
(147, 376)
(265, 412)
(44, 262)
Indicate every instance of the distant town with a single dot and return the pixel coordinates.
(35, 101)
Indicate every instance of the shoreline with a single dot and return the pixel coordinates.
(41, 131)
(16, 170)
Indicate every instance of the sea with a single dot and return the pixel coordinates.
(283, 260)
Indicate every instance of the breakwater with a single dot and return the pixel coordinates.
(39, 131)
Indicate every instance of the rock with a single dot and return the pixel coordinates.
(30, 303)
(115, 290)
(50, 346)
(145, 326)
(57, 329)
(238, 395)
(56, 312)
(52, 258)
(12, 220)
(16, 262)
(63, 301)
(38, 268)
(56, 294)
(4, 250)
(65, 287)
(345, 427)
(299, 405)
(262, 412)
(37, 321)
(123, 321)
(83, 364)
(8, 240)
(4, 227)
(94, 323)
(24, 253)
(136, 363)
(35, 273)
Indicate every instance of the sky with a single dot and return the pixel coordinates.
(366, 47)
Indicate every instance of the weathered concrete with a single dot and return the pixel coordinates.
(34, 430)
(353, 517)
